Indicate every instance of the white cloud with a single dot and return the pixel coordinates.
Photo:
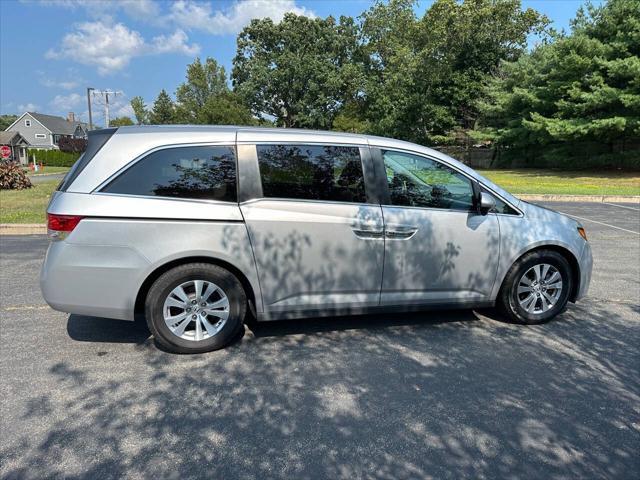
(28, 107)
(139, 9)
(145, 10)
(110, 47)
(200, 16)
(66, 102)
(65, 85)
(176, 42)
(188, 14)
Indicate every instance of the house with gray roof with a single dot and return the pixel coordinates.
(44, 131)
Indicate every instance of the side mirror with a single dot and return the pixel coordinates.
(487, 203)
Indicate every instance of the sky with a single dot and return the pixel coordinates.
(52, 50)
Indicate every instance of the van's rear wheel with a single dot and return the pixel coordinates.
(194, 308)
(536, 288)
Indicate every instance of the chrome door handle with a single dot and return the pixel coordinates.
(367, 231)
(400, 232)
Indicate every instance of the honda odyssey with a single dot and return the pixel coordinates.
(198, 227)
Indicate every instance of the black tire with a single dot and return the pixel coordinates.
(508, 297)
(162, 287)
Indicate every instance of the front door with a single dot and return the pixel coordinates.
(438, 249)
(316, 235)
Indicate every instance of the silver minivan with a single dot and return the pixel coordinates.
(198, 227)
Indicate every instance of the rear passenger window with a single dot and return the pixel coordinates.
(312, 172)
(184, 172)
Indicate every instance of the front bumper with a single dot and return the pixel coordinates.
(586, 265)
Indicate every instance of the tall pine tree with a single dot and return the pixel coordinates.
(163, 111)
(574, 101)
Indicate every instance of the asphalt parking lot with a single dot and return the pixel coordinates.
(456, 394)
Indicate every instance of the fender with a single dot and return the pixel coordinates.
(507, 261)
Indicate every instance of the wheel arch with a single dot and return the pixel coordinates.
(562, 250)
(165, 267)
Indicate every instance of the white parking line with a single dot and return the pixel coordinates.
(601, 223)
(621, 206)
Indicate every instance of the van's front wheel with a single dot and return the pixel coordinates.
(195, 308)
(536, 288)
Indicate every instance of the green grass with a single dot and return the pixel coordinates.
(48, 170)
(566, 182)
(26, 206)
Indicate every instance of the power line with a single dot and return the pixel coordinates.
(104, 94)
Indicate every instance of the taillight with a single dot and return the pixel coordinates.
(59, 226)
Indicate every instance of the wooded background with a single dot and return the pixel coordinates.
(484, 80)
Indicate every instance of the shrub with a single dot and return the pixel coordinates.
(54, 158)
(70, 144)
(12, 177)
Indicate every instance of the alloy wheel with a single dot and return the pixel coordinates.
(196, 310)
(539, 289)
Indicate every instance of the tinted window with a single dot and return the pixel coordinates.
(184, 172)
(311, 172)
(416, 181)
(96, 140)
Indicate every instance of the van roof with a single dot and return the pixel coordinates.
(230, 128)
(257, 134)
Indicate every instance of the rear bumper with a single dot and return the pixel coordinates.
(586, 265)
(92, 280)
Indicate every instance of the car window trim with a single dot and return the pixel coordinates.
(301, 142)
(159, 197)
(140, 157)
(306, 200)
(249, 183)
(376, 152)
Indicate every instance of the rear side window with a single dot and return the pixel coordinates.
(96, 140)
(184, 172)
(312, 172)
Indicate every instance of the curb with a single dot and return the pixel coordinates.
(580, 198)
(23, 229)
(45, 174)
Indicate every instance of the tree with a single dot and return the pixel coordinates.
(140, 110)
(426, 76)
(349, 119)
(299, 71)
(205, 97)
(225, 109)
(203, 82)
(163, 111)
(120, 122)
(576, 97)
(6, 121)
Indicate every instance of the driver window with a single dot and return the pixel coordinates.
(416, 181)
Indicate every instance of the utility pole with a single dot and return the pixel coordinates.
(89, 90)
(106, 94)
